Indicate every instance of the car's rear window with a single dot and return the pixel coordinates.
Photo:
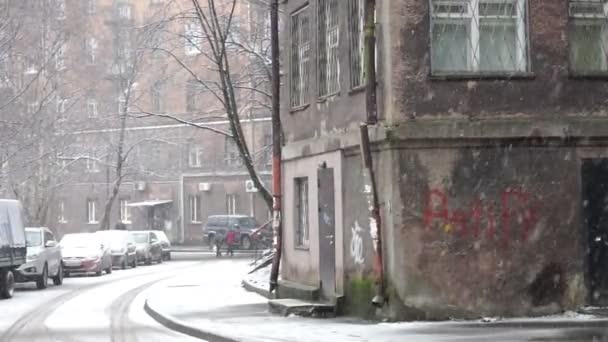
(217, 221)
(247, 222)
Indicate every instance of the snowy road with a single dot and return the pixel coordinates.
(83, 309)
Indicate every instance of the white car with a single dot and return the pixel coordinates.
(43, 258)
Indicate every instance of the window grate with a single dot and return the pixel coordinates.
(328, 40)
(357, 43)
(300, 58)
(478, 36)
(588, 37)
(301, 206)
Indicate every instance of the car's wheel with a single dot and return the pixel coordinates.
(99, 271)
(43, 280)
(66, 274)
(58, 279)
(7, 284)
(169, 256)
(160, 259)
(124, 262)
(109, 269)
(210, 240)
(246, 242)
(148, 260)
(134, 265)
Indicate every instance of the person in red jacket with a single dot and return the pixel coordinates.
(231, 240)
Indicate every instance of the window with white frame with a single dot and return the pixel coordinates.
(357, 42)
(91, 164)
(124, 11)
(158, 96)
(91, 211)
(91, 108)
(122, 105)
(300, 58)
(61, 105)
(195, 208)
(301, 211)
(328, 39)
(60, 56)
(231, 204)
(478, 36)
(125, 211)
(61, 212)
(193, 90)
(90, 6)
(588, 37)
(32, 107)
(193, 38)
(91, 50)
(60, 8)
(195, 155)
(232, 156)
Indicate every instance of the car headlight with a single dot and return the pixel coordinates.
(31, 257)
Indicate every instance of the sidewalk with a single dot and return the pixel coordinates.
(213, 306)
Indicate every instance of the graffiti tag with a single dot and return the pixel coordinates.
(356, 244)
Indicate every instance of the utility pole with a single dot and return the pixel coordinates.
(276, 144)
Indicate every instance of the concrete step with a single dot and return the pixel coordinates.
(288, 306)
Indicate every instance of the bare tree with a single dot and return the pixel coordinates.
(227, 47)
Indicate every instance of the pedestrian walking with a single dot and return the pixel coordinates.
(231, 239)
(219, 241)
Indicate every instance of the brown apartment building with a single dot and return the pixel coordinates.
(490, 155)
(109, 57)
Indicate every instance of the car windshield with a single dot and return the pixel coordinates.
(140, 237)
(247, 222)
(33, 238)
(78, 241)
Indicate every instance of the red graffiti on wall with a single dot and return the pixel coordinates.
(516, 212)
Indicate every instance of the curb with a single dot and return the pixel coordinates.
(252, 288)
(177, 325)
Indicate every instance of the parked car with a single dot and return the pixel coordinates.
(85, 253)
(122, 247)
(12, 245)
(43, 258)
(218, 225)
(148, 246)
(165, 244)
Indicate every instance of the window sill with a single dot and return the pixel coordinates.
(599, 75)
(299, 108)
(302, 248)
(324, 98)
(93, 222)
(196, 222)
(482, 76)
(126, 222)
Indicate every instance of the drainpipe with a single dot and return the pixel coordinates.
(182, 231)
(276, 145)
(366, 155)
(369, 16)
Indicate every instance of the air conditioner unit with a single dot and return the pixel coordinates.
(140, 186)
(204, 186)
(250, 187)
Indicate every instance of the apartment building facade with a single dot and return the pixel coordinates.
(489, 155)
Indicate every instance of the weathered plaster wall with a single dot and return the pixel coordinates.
(494, 230)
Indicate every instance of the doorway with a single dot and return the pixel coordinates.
(594, 184)
(327, 232)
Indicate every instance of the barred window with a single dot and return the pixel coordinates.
(301, 214)
(328, 40)
(588, 36)
(357, 43)
(478, 36)
(300, 58)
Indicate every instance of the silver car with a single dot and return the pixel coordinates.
(121, 246)
(85, 253)
(43, 258)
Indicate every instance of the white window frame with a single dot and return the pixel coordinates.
(124, 11)
(587, 19)
(60, 7)
(231, 204)
(472, 16)
(61, 214)
(192, 38)
(92, 211)
(125, 211)
(330, 50)
(300, 58)
(92, 108)
(195, 208)
(122, 105)
(195, 155)
(91, 7)
(301, 212)
(32, 107)
(60, 56)
(91, 164)
(91, 49)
